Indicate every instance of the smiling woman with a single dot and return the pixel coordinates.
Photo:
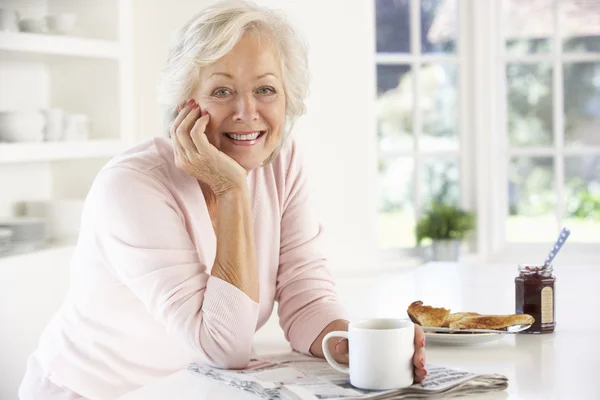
(187, 241)
(277, 74)
(244, 96)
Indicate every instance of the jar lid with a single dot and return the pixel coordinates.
(536, 269)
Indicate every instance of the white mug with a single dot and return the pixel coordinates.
(77, 127)
(381, 353)
(55, 124)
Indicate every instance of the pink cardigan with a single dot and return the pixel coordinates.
(142, 303)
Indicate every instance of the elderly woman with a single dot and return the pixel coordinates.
(187, 241)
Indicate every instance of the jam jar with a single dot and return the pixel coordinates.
(534, 295)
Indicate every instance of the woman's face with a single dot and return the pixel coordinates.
(243, 93)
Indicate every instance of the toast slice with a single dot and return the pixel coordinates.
(457, 317)
(492, 321)
(427, 315)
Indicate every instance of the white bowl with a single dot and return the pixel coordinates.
(16, 119)
(61, 23)
(21, 138)
(32, 25)
(24, 126)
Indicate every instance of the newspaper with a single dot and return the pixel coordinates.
(294, 376)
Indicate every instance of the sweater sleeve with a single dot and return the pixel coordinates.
(141, 234)
(305, 289)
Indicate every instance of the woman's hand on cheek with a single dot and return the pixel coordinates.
(195, 155)
(419, 356)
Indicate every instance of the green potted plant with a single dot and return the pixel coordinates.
(446, 225)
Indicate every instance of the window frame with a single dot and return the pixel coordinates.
(482, 132)
(495, 199)
(416, 59)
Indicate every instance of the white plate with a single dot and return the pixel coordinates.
(461, 339)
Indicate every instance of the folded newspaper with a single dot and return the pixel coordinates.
(294, 376)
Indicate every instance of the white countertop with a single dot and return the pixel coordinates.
(565, 364)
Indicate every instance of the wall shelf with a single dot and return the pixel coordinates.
(11, 153)
(34, 43)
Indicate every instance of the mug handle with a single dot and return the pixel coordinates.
(337, 366)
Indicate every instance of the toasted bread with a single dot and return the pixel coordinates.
(427, 315)
(492, 321)
(457, 317)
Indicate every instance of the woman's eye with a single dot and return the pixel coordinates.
(221, 92)
(266, 90)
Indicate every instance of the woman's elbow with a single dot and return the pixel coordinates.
(227, 354)
(233, 360)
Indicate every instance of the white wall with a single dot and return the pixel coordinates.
(337, 134)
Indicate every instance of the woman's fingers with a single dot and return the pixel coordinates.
(419, 356)
(184, 110)
(420, 375)
(341, 351)
(184, 128)
(419, 336)
(179, 140)
(198, 132)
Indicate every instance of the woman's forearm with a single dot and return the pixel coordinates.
(235, 261)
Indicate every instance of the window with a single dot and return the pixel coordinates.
(418, 109)
(551, 119)
(494, 105)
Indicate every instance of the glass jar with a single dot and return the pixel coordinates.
(534, 295)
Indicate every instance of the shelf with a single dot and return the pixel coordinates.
(51, 151)
(35, 43)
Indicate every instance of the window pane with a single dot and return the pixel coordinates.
(582, 103)
(440, 181)
(528, 26)
(529, 91)
(393, 26)
(394, 107)
(438, 105)
(531, 200)
(438, 26)
(582, 198)
(396, 221)
(580, 25)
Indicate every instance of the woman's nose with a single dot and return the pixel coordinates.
(246, 110)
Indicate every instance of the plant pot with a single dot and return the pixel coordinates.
(446, 250)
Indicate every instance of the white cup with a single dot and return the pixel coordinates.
(55, 124)
(381, 353)
(77, 127)
(9, 20)
(61, 23)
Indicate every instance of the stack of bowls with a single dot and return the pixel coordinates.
(28, 234)
(22, 126)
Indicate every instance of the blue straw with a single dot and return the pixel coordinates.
(562, 238)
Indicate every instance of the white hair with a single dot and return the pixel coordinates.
(214, 32)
